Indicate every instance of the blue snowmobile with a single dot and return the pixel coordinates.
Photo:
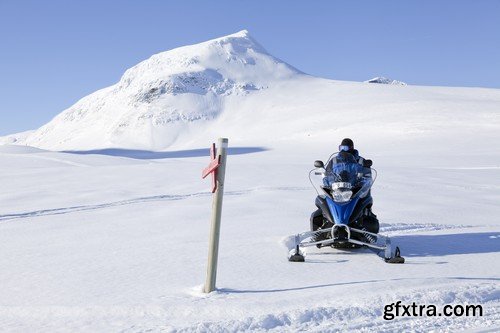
(343, 218)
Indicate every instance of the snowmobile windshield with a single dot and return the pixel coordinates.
(346, 180)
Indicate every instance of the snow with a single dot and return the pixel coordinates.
(111, 243)
(113, 237)
(384, 80)
(17, 138)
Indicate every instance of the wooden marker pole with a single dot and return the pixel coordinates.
(217, 166)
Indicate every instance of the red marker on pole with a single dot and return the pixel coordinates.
(212, 167)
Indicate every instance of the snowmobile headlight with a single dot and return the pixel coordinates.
(341, 185)
(341, 196)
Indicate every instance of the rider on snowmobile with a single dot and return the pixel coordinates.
(347, 146)
(347, 154)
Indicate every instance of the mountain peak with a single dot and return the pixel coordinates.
(384, 80)
(235, 57)
(162, 96)
(240, 34)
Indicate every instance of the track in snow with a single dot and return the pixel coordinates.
(162, 197)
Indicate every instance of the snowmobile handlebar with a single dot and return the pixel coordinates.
(367, 177)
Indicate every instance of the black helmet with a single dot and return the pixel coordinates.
(346, 145)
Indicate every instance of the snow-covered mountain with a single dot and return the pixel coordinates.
(232, 87)
(384, 80)
(161, 97)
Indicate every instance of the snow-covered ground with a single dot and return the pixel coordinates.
(107, 243)
(116, 240)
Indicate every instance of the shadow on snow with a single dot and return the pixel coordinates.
(152, 155)
(448, 244)
(413, 246)
(279, 290)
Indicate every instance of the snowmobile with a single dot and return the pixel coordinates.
(343, 218)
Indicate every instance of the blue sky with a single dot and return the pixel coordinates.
(53, 53)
